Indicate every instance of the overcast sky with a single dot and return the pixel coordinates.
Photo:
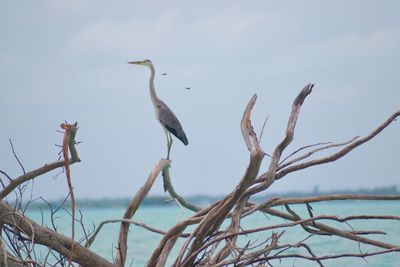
(66, 60)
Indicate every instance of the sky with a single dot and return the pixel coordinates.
(67, 60)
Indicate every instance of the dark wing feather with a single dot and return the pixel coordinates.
(171, 122)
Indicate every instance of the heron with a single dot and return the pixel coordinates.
(164, 114)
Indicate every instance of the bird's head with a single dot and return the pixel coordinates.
(146, 62)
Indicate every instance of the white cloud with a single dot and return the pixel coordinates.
(229, 26)
(123, 36)
(376, 43)
(69, 5)
(172, 31)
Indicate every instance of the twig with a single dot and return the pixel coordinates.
(308, 154)
(6, 175)
(16, 157)
(300, 149)
(83, 225)
(262, 129)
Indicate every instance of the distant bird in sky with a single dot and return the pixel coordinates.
(187, 88)
(164, 114)
(164, 74)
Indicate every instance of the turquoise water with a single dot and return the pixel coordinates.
(141, 242)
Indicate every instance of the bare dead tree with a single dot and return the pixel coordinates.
(216, 236)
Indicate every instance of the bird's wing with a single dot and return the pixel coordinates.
(171, 122)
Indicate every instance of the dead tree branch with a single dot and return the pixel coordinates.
(327, 257)
(270, 176)
(303, 200)
(42, 170)
(217, 214)
(171, 190)
(328, 229)
(51, 239)
(342, 152)
(140, 224)
(133, 206)
(356, 143)
(69, 138)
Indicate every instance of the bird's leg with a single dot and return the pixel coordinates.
(166, 135)
(169, 144)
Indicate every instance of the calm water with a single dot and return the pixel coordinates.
(142, 242)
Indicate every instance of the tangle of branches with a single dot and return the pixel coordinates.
(213, 235)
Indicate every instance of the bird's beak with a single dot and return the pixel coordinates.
(136, 62)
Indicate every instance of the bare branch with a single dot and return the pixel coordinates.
(263, 127)
(16, 157)
(42, 170)
(248, 133)
(340, 153)
(300, 149)
(51, 239)
(160, 254)
(218, 213)
(308, 154)
(303, 200)
(170, 189)
(6, 175)
(133, 206)
(67, 140)
(230, 243)
(325, 228)
(269, 176)
(329, 257)
(140, 224)
(356, 142)
(311, 221)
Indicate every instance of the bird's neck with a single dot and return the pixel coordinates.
(153, 94)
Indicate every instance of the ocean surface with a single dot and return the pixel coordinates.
(141, 242)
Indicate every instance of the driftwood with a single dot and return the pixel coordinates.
(207, 243)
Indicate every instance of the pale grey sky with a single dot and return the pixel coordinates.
(66, 60)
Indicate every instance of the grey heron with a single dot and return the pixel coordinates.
(164, 114)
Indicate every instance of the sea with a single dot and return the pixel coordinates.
(141, 242)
